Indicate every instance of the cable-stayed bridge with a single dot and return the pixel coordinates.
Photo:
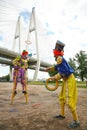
(7, 55)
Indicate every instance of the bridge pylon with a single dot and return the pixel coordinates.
(17, 35)
(31, 29)
(34, 29)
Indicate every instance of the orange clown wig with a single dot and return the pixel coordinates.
(58, 53)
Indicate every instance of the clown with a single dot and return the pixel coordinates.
(68, 94)
(19, 74)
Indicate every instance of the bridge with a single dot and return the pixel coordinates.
(6, 55)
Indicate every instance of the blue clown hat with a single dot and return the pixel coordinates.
(59, 45)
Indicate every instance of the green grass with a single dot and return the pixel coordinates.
(36, 82)
(80, 84)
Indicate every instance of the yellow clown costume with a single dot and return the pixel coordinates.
(68, 94)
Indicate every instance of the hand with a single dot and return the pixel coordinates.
(52, 78)
(47, 69)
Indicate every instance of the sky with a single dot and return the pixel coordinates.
(64, 20)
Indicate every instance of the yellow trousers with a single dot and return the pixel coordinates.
(68, 94)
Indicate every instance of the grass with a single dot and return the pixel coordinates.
(36, 82)
(80, 84)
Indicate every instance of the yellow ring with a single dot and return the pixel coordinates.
(54, 87)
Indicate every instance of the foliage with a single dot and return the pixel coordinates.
(73, 65)
(79, 63)
(7, 77)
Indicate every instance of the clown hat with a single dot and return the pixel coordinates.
(59, 45)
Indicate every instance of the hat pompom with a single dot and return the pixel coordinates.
(24, 53)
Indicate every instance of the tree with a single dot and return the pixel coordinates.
(81, 61)
(7, 77)
(73, 65)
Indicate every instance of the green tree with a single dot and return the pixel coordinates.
(73, 65)
(81, 63)
(7, 77)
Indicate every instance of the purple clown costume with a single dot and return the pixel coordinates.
(20, 64)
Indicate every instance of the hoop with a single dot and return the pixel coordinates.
(28, 42)
(52, 73)
(51, 88)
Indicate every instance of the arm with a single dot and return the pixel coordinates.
(51, 68)
(57, 75)
(16, 62)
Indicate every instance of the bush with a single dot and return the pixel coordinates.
(7, 77)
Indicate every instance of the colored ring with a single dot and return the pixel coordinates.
(54, 87)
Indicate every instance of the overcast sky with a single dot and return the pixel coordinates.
(64, 20)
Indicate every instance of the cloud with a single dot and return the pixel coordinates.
(64, 20)
(50, 33)
(26, 15)
(1, 37)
